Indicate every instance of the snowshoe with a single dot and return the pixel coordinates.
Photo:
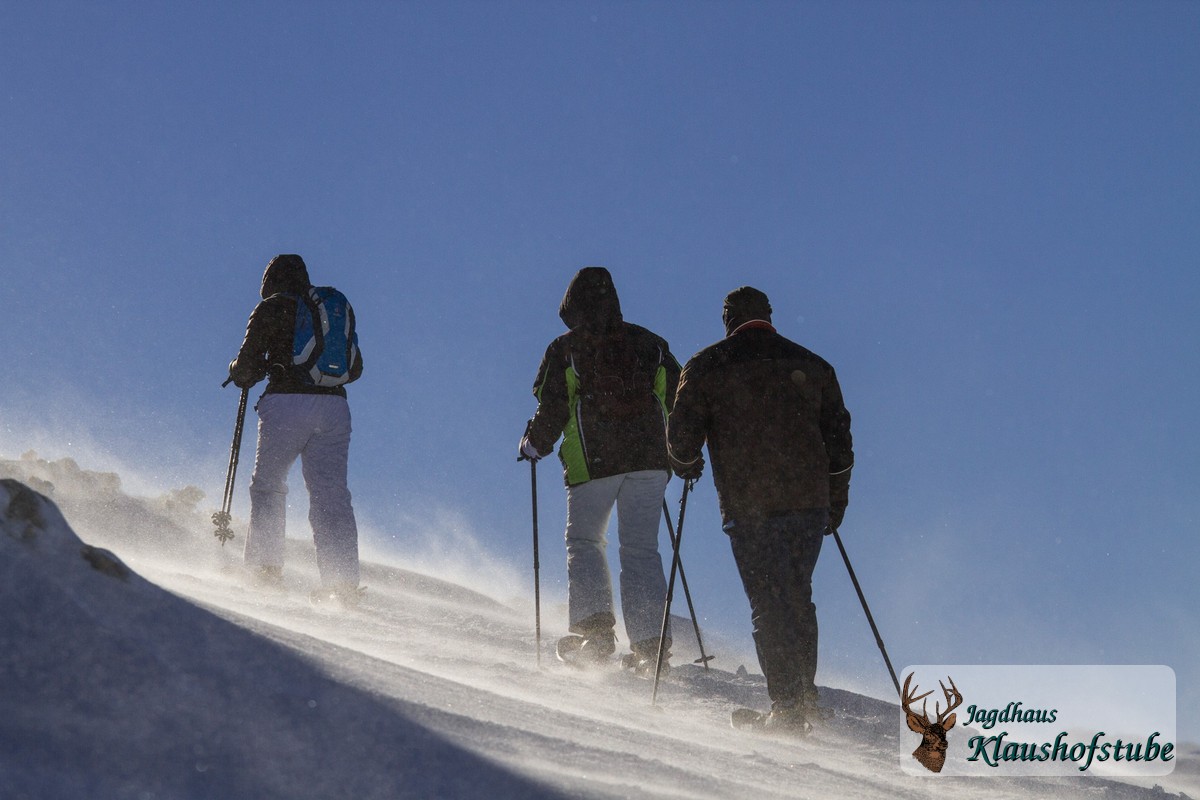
(781, 721)
(580, 651)
(747, 719)
(643, 665)
(644, 658)
(342, 596)
(567, 649)
(268, 578)
(816, 714)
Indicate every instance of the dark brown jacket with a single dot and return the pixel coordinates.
(772, 414)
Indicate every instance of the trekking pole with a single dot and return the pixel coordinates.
(223, 517)
(878, 639)
(537, 590)
(704, 658)
(537, 582)
(662, 637)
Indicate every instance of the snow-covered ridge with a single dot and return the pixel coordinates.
(137, 661)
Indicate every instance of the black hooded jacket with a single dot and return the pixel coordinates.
(574, 384)
(267, 349)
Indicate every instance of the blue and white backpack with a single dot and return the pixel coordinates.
(325, 343)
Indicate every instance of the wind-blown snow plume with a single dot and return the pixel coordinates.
(142, 663)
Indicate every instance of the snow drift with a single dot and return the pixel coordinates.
(141, 663)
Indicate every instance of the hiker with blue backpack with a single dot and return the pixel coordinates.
(301, 338)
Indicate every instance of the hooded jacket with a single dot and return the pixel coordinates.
(772, 414)
(599, 439)
(267, 348)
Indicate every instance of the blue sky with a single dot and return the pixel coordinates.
(983, 214)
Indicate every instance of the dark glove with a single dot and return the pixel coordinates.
(689, 471)
(240, 377)
(526, 451)
(836, 515)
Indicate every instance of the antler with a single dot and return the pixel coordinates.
(954, 699)
(909, 699)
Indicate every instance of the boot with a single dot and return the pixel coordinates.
(344, 595)
(644, 658)
(268, 577)
(599, 641)
(813, 712)
(787, 719)
(599, 646)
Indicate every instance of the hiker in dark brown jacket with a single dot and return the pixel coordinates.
(778, 436)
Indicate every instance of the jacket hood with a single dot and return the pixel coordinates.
(591, 301)
(285, 273)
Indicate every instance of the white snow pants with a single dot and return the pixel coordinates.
(316, 429)
(638, 497)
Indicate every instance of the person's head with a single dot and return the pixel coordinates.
(285, 273)
(591, 301)
(743, 305)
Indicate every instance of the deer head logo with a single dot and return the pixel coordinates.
(932, 751)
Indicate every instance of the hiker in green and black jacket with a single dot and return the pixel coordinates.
(607, 387)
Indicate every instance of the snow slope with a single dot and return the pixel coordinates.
(143, 664)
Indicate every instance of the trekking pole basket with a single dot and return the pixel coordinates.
(223, 518)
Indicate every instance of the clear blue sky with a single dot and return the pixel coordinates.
(983, 214)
